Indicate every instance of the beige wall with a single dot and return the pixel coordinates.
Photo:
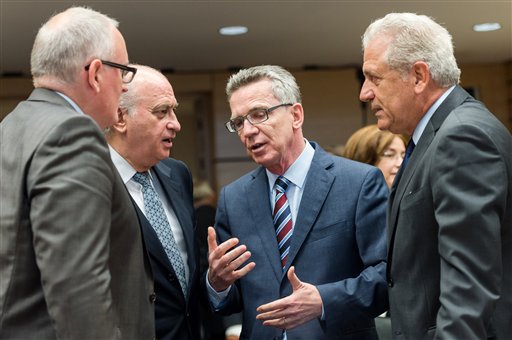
(330, 99)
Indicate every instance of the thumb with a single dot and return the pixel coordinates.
(294, 280)
(212, 240)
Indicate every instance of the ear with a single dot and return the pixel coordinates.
(93, 75)
(120, 125)
(421, 74)
(298, 115)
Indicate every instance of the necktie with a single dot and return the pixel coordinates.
(408, 152)
(282, 218)
(158, 220)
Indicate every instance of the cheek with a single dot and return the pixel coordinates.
(384, 166)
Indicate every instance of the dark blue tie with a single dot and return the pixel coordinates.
(408, 152)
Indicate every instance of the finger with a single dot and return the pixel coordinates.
(272, 307)
(212, 240)
(294, 279)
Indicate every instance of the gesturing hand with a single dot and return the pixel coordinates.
(303, 305)
(224, 261)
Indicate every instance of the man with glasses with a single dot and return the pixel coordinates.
(299, 243)
(72, 261)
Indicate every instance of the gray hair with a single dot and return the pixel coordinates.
(416, 38)
(145, 75)
(284, 85)
(61, 49)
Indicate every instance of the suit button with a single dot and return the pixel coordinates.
(171, 277)
(398, 332)
(390, 282)
(152, 297)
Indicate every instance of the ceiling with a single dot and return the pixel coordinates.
(182, 35)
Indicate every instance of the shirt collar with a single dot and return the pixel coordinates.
(126, 171)
(71, 102)
(418, 131)
(298, 171)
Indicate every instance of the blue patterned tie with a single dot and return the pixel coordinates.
(158, 220)
(282, 218)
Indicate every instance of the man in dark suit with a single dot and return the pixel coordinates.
(140, 144)
(322, 274)
(71, 253)
(450, 207)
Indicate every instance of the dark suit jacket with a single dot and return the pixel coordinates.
(450, 220)
(176, 317)
(338, 244)
(71, 258)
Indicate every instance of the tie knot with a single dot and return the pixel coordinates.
(281, 184)
(142, 178)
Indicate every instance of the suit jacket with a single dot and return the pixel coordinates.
(450, 237)
(71, 259)
(338, 245)
(177, 316)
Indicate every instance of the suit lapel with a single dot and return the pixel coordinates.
(316, 189)
(256, 191)
(404, 176)
(173, 189)
(154, 247)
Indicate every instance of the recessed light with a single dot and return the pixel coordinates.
(488, 26)
(233, 30)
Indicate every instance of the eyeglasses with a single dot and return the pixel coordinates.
(254, 117)
(127, 72)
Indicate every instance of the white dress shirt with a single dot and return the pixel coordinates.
(135, 189)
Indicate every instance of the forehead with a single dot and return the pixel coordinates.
(375, 53)
(157, 90)
(253, 95)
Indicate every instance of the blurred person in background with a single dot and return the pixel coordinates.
(373, 146)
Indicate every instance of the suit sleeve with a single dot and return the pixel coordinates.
(469, 192)
(69, 186)
(366, 294)
(233, 302)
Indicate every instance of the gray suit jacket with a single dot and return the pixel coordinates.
(71, 256)
(338, 244)
(450, 220)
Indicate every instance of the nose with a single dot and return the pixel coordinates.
(366, 93)
(174, 124)
(248, 128)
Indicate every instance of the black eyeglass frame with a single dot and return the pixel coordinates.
(230, 125)
(125, 70)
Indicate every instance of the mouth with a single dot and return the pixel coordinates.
(255, 147)
(167, 142)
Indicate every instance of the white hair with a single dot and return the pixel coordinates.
(416, 38)
(62, 48)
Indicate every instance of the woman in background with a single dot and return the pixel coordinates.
(382, 149)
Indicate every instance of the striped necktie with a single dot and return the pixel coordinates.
(282, 218)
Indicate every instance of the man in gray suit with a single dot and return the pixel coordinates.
(141, 141)
(312, 225)
(450, 209)
(72, 264)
